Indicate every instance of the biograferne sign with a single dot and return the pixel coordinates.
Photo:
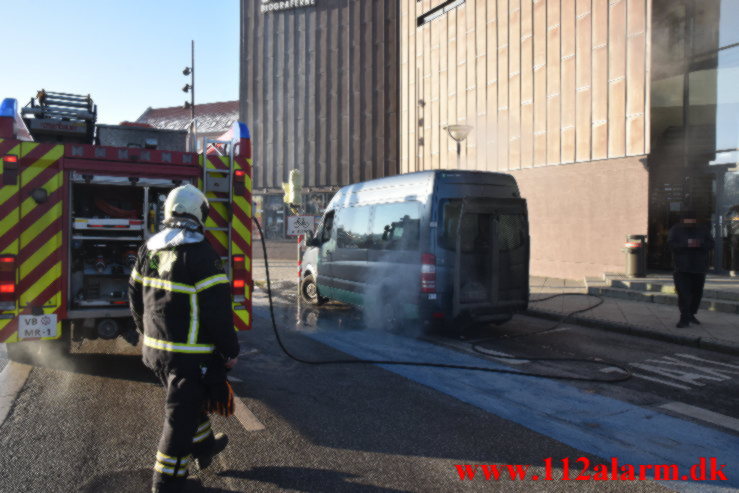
(275, 5)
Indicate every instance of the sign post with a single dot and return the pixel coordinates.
(300, 226)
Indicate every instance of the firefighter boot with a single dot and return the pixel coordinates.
(172, 486)
(211, 448)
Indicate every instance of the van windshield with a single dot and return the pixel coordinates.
(475, 228)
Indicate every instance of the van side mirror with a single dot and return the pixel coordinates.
(311, 240)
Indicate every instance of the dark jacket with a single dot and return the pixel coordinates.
(690, 259)
(180, 300)
(732, 219)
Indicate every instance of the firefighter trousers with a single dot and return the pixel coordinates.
(186, 431)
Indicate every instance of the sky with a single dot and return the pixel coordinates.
(128, 55)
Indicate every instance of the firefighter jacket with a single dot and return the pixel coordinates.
(180, 300)
(690, 258)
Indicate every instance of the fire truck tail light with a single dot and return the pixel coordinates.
(7, 278)
(9, 170)
(239, 277)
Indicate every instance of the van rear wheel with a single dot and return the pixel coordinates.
(309, 291)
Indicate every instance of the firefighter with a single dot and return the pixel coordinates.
(691, 244)
(180, 300)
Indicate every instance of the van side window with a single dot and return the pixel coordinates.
(352, 227)
(324, 230)
(396, 226)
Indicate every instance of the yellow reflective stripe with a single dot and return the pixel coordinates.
(161, 455)
(45, 221)
(41, 254)
(192, 335)
(202, 436)
(41, 285)
(136, 276)
(169, 460)
(211, 281)
(181, 472)
(178, 348)
(168, 285)
(203, 427)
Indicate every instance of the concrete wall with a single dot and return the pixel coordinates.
(319, 91)
(580, 215)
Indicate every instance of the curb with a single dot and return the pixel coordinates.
(710, 343)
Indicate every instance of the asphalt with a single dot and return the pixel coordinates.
(718, 330)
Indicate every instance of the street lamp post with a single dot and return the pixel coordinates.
(458, 133)
(191, 89)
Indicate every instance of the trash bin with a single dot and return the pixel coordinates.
(636, 255)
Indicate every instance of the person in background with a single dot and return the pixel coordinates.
(690, 243)
(732, 226)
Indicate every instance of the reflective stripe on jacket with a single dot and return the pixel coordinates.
(181, 301)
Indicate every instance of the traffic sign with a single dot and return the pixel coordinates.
(299, 225)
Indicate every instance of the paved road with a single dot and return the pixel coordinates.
(93, 426)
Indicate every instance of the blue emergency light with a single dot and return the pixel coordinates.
(9, 107)
(240, 131)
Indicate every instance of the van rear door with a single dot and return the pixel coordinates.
(490, 243)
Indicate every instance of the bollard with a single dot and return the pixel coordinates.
(636, 255)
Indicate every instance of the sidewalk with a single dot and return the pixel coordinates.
(718, 331)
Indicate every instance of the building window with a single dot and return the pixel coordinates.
(438, 11)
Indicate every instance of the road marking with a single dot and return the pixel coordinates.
(644, 377)
(685, 371)
(703, 415)
(12, 378)
(246, 417)
(507, 358)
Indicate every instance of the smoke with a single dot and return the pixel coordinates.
(391, 289)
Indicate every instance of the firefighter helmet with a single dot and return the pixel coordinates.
(186, 201)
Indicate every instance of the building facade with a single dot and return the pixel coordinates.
(320, 93)
(613, 115)
(556, 94)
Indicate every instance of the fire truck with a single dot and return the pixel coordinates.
(77, 199)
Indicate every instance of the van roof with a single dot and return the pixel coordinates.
(418, 185)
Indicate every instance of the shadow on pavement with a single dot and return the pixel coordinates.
(122, 367)
(306, 479)
(137, 481)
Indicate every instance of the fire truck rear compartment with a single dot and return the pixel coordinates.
(108, 224)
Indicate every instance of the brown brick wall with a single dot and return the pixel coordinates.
(580, 214)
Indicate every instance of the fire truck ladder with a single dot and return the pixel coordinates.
(62, 106)
(221, 186)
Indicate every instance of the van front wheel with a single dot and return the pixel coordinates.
(309, 291)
